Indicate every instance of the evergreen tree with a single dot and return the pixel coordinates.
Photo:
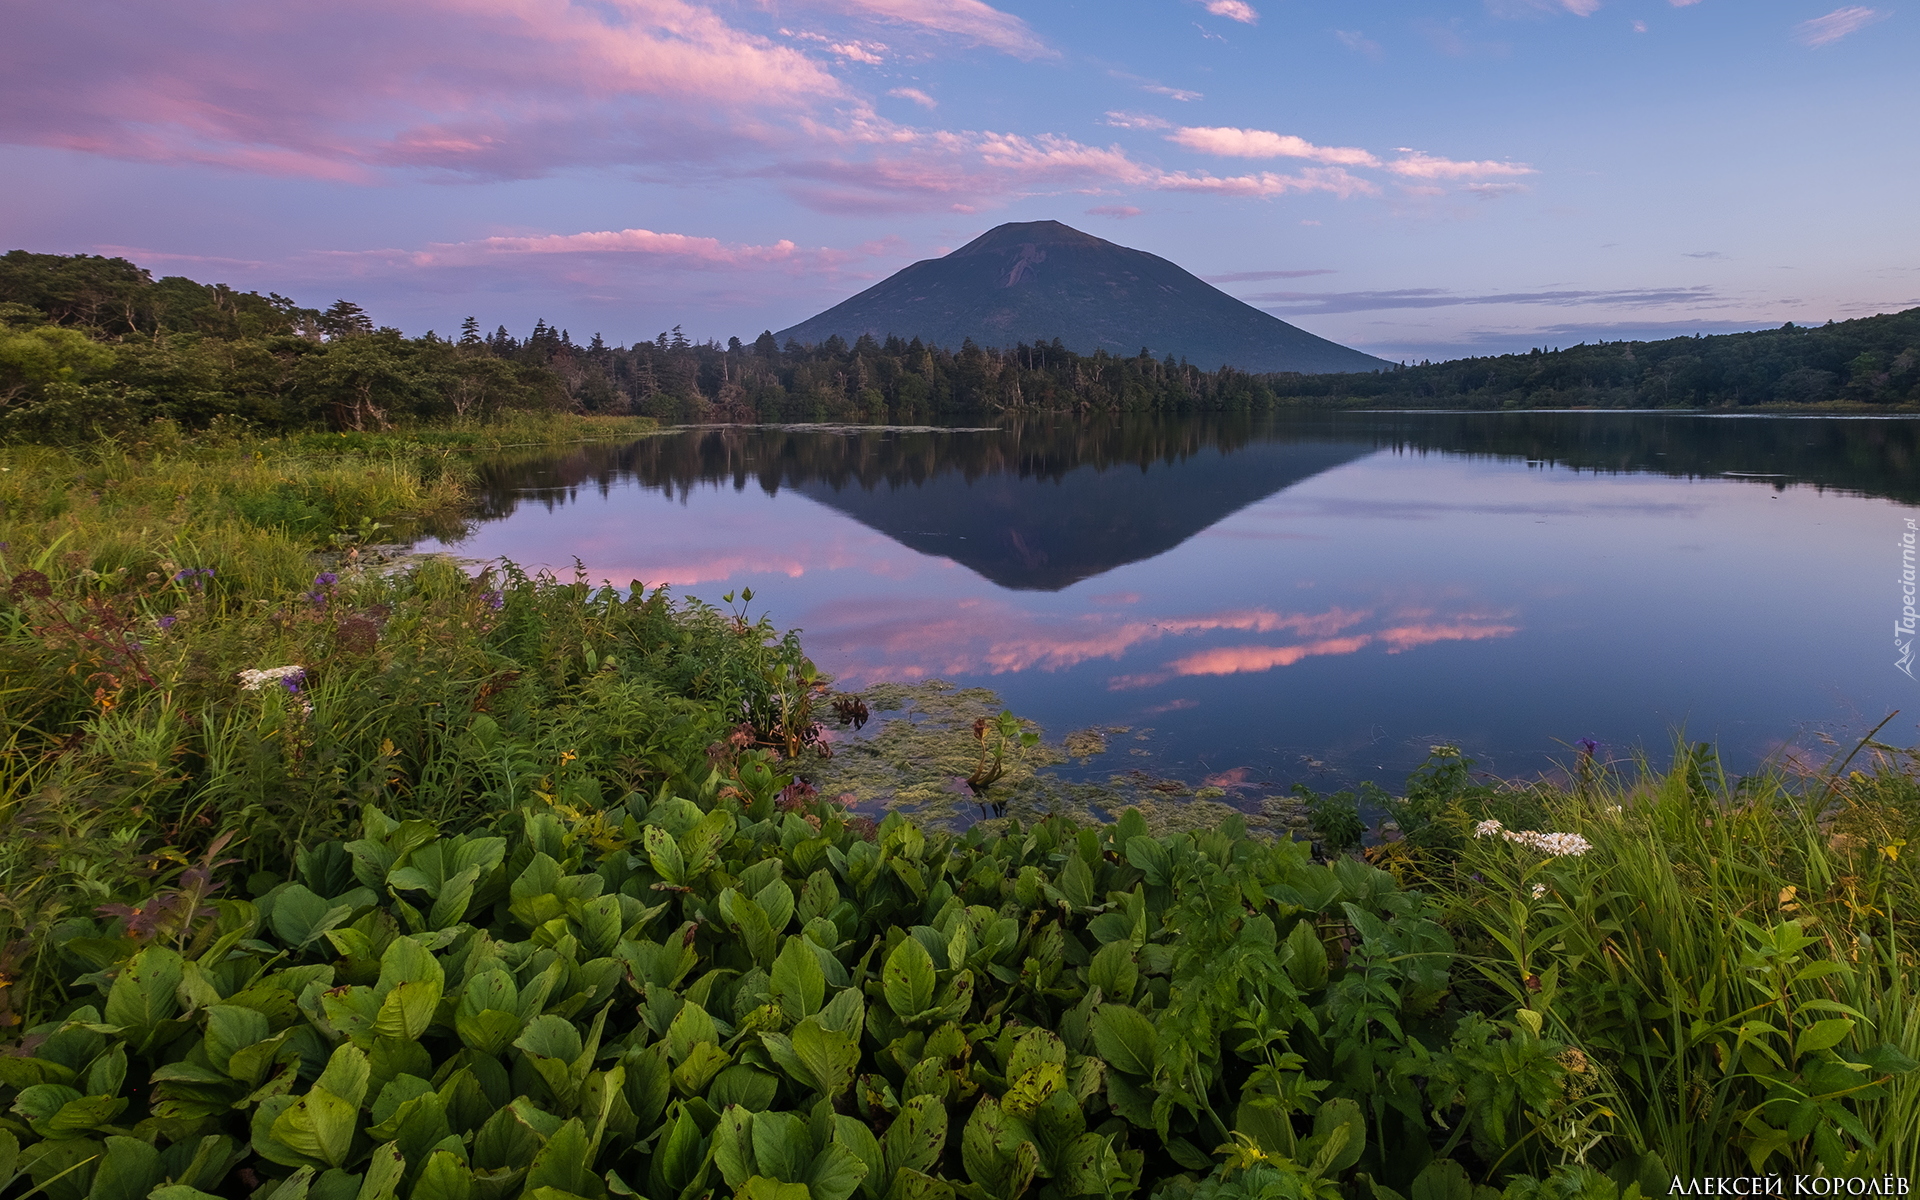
(470, 332)
(345, 319)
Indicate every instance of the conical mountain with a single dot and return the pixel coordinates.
(1033, 281)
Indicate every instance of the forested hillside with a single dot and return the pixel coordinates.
(91, 344)
(1873, 360)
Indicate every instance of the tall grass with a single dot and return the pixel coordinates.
(1738, 955)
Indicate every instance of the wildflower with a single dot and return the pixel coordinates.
(1539, 890)
(1558, 845)
(493, 600)
(1587, 746)
(167, 621)
(325, 579)
(252, 680)
(1487, 829)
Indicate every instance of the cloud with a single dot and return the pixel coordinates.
(1120, 211)
(1253, 276)
(865, 52)
(1241, 660)
(1493, 191)
(1512, 8)
(1339, 302)
(349, 90)
(916, 95)
(969, 20)
(671, 249)
(1358, 42)
(1639, 26)
(1822, 31)
(1234, 10)
(1127, 120)
(1180, 94)
(1420, 165)
(1260, 143)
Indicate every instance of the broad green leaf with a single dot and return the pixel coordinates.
(56, 1111)
(782, 1147)
(1033, 1087)
(907, 979)
(347, 1075)
(1124, 1038)
(1822, 1035)
(1339, 1137)
(835, 1173)
(127, 1171)
(298, 916)
(830, 1057)
(565, 1163)
(918, 1135)
(444, 1177)
(1152, 859)
(231, 1029)
(1113, 971)
(912, 1185)
(762, 1188)
(748, 1087)
(859, 1141)
(143, 993)
(319, 1125)
(664, 853)
(733, 1146)
(1441, 1179)
(798, 984)
(680, 1156)
(384, 1170)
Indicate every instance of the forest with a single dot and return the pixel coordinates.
(89, 343)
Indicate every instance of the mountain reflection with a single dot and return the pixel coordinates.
(1044, 506)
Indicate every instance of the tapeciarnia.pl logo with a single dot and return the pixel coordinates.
(1903, 628)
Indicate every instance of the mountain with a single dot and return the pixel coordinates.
(1036, 534)
(1034, 281)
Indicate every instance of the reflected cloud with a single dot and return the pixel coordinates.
(1241, 660)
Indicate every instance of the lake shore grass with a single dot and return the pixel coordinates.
(227, 765)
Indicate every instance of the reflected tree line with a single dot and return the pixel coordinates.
(1868, 457)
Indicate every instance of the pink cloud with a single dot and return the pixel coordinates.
(1822, 31)
(1260, 143)
(1119, 211)
(1127, 120)
(1406, 637)
(342, 90)
(1420, 165)
(916, 95)
(969, 20)
(1240, 660)
(1234, 10)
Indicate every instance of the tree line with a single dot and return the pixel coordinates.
(91, 343)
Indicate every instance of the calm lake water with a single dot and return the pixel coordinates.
(1283, 598)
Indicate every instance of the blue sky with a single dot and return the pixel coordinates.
(1419, 179)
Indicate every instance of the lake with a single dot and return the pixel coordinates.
(1316, 598)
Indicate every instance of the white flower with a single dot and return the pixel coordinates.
(1487, 829)
(1539, 890)
(1558, 845)
(252, 680)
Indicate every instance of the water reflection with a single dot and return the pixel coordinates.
(1314, 598)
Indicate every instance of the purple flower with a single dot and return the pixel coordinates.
(167, 621)
(325, 579)
(493, 600)
(1587, 746)
(292, 682)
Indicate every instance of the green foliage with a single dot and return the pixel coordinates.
(658, 997)
(1868, 361)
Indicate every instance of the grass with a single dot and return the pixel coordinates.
(1715, 939)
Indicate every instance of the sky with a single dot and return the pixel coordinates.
(1416, 178)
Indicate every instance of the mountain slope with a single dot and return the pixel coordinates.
(1039, 280)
